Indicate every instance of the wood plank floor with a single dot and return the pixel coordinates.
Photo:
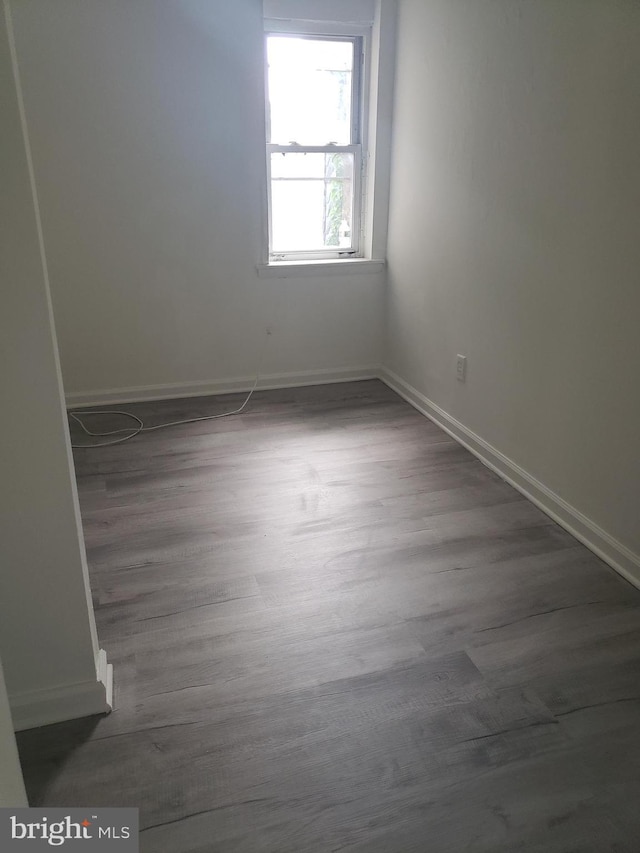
(333, 629)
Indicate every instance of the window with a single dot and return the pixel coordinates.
(314, 146)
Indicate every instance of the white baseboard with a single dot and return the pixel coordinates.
(67, 702)
(613, 552)
(206, 388)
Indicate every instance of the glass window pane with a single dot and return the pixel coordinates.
(310, 90)
(311, 202)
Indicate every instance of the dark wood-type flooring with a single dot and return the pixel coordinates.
(333, 629)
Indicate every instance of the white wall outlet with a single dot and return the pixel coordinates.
(461, 368)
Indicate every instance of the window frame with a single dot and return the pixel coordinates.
(360, 38)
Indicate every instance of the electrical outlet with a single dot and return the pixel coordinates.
(461, 368)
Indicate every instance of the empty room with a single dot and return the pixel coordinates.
(321, 421)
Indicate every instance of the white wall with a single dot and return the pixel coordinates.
(12, 792)
(348, 11)
(147, 126)
(514, 236)
(47, 632)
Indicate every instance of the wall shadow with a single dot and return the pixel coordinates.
(44, 752)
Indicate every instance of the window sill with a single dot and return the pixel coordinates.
(333, 267)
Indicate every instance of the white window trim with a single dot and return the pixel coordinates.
(323, 268)
(378, 85)
(305, 260)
